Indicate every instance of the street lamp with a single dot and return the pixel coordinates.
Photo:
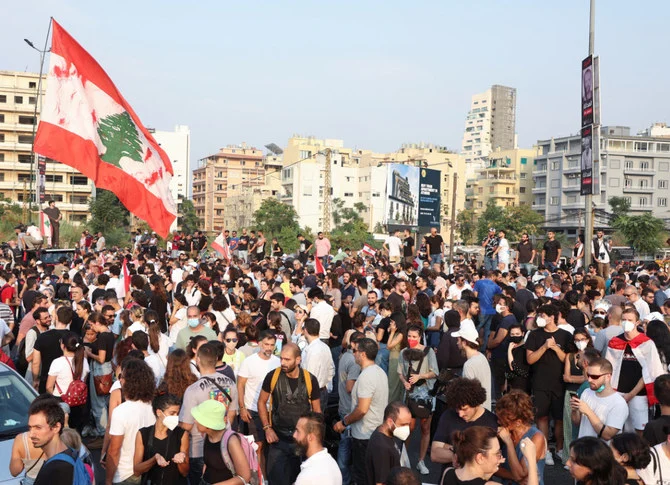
(37, 102)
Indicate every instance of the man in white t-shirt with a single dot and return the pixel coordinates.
(601, 411)
(476, 366)
(393, 245)
(457, 288)
(502, 251)
(137, 385)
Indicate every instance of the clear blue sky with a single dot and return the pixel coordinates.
(374, 73)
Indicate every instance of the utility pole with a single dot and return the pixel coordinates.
(588, 219)
(453, 217)
(326, 194)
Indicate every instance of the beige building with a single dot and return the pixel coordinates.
(224, 175)
(239, 209)
(67, 186)
(507, 178)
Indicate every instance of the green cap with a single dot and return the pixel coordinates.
(210, 414)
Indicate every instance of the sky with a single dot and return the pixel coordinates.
(373, 73)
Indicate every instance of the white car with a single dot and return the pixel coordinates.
(15, 398)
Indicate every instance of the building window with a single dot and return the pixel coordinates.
(78, 217)
(524, 161)
(24, 158)
(2, 157)
(662, 202)
(78, 180)
(26, 120)
(480, 190)
(78, 199)
(628, 183)
(628, 165)
(644, 165)
(305, 154)
(53, 178)
(18, 99)
(480, 204)
(3, 98)
(32, 100)
(25, 177)
(522, 190)
(32, 85)
(348, 194)
(662, 184)
(491, 189)
(2, 177)
(2, 118)
(27, 139)
(554, 165)
(522, 176)
(553, 201)
(2, 137)
(643, 201)
(219, 199)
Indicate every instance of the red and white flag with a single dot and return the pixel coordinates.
(87, 124)
(221, 246)
(319, 266)
(125, 280)
(46, 228)
(369, 250)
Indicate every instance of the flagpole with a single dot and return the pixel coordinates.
(33, 155)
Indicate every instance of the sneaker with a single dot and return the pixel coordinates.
(559, 455)
(549, 458)
(87, 431)
(423, 469)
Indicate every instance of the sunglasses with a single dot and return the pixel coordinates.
(600, 313)
(593, 377)
(229, 340)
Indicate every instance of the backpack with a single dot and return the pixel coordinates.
(249, 447)
(275, 378)
(21, 361)
(77, 392)
(81, 475)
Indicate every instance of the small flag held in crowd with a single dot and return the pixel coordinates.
(319, 266)
(221, 246)
(369, 250)
(45, 228)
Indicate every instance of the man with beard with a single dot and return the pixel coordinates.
(292, 395)
(318, 467)
(383, 453)
(476, 365)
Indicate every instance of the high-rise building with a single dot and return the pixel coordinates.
(177, 146)
(67, 186)
(225, 174)
(490, 124)
(632, 166)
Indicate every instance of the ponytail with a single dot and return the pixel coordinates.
(73, 344)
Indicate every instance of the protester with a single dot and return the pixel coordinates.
(591, 462)
(318, 467)
(479, 454)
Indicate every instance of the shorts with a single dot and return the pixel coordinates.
(255, 427)
(638, 414)
(548, 403)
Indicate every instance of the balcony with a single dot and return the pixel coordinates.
(15, 147)
(540, 170)
(573, 205)
(638, 171)
(638, 190)
(572, 188)
(16, 127)
(540, 190)
(501, 180)
(572, 168)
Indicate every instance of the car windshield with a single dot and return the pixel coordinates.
(15, 398)
(52, 257)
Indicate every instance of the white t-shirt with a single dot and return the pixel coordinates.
(437, 313)
(62, 368)
(178, 325)
(477, 367)
(136, 327)
(127, 418)
(454, 292)
(648, 476)
(612, 411)
(157, 363)
(225, 318)
(164, 345)
(395, 246)
(254, 369)
(503, 252)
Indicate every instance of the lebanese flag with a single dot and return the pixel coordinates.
(45, 228)
(87, 124)
(125, 279)
(319, 266)
(221, 246)
(369, 250)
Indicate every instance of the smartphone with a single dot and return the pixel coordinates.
(572, 394)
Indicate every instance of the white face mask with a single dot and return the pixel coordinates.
(628, 326)
(540, 322)
(581, 345)
(401, 432)
(499, 308)
(171, 422)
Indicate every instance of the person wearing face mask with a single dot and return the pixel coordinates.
(417, 370)
(518, 370)
(499, 342)
(386, 447)
(600, 411)
(636, 364)
(194, 326)
(161, 450)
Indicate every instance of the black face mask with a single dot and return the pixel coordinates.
(516, 339)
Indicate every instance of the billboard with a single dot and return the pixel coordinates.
(402, 196)
(429, 199)
(587, 91)
(587, 160)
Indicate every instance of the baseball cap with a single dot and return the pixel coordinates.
(467, 331)
(492, 229)
(211, 414)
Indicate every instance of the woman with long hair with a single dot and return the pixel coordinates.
(192, 350)
(135, 316)
(100, 354)
(301, 314)
(592, 462)
(159, 301)
(71, 366)
(333, 289)
(435, 319)
(516, 413)
(178, 374)
(479, 455)
(659, 333)
(159, 343)
(224, 314)
(632, 452)
(205, 288)
(209, 320)
(231, 354)
(417, 370)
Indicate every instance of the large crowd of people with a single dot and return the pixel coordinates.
(186, 367)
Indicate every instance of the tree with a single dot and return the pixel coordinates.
(620, 206)
(350, 228)
(119, 135)
(466, 223)
(521, 219)
(643, 233)
(106, 212)
(273, 216)
(189, 222)
(493, 216)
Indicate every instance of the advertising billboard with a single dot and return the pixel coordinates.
(429, 199)
(402, 197)
(587, 160)
(587, 91)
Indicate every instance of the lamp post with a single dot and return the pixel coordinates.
(453, 214)
(33, 155)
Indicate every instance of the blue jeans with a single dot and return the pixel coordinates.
(490, 264)
(530, 267)
(283, 464)
(485, 323)
(550, 265)
(436, 258)
(195, 470)
(382, 359)
(344, 455)
(99, 404)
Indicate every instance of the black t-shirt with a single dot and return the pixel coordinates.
(381, 456)
(434, 244)
(56, 472)
(500, 352)
(384, 325)
(631, 371)
(243, 243)
(408, 246)
(167, 447)
(397, 301)
(293, 383)
(551, 250)
(304, 245)
(525, 252)
(576, 318)
(29, 298)
(105, 341)
(216, 470)
(656, 431)
(450, 421)
(48, 344)
(548, 370)
(450, 478)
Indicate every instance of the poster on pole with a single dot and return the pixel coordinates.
(587, 91)
(402, 197)
(587, 160)
(429, 199)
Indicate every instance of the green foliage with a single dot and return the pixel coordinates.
(189, 222)
(106, 212)
(466, 223)
(493, 216)
(620, 206)
(119, 135)
(515, 220)
(273, 216)
(288, 239)
(644, 233)
(350, 231)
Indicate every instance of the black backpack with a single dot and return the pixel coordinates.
(21, 363)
